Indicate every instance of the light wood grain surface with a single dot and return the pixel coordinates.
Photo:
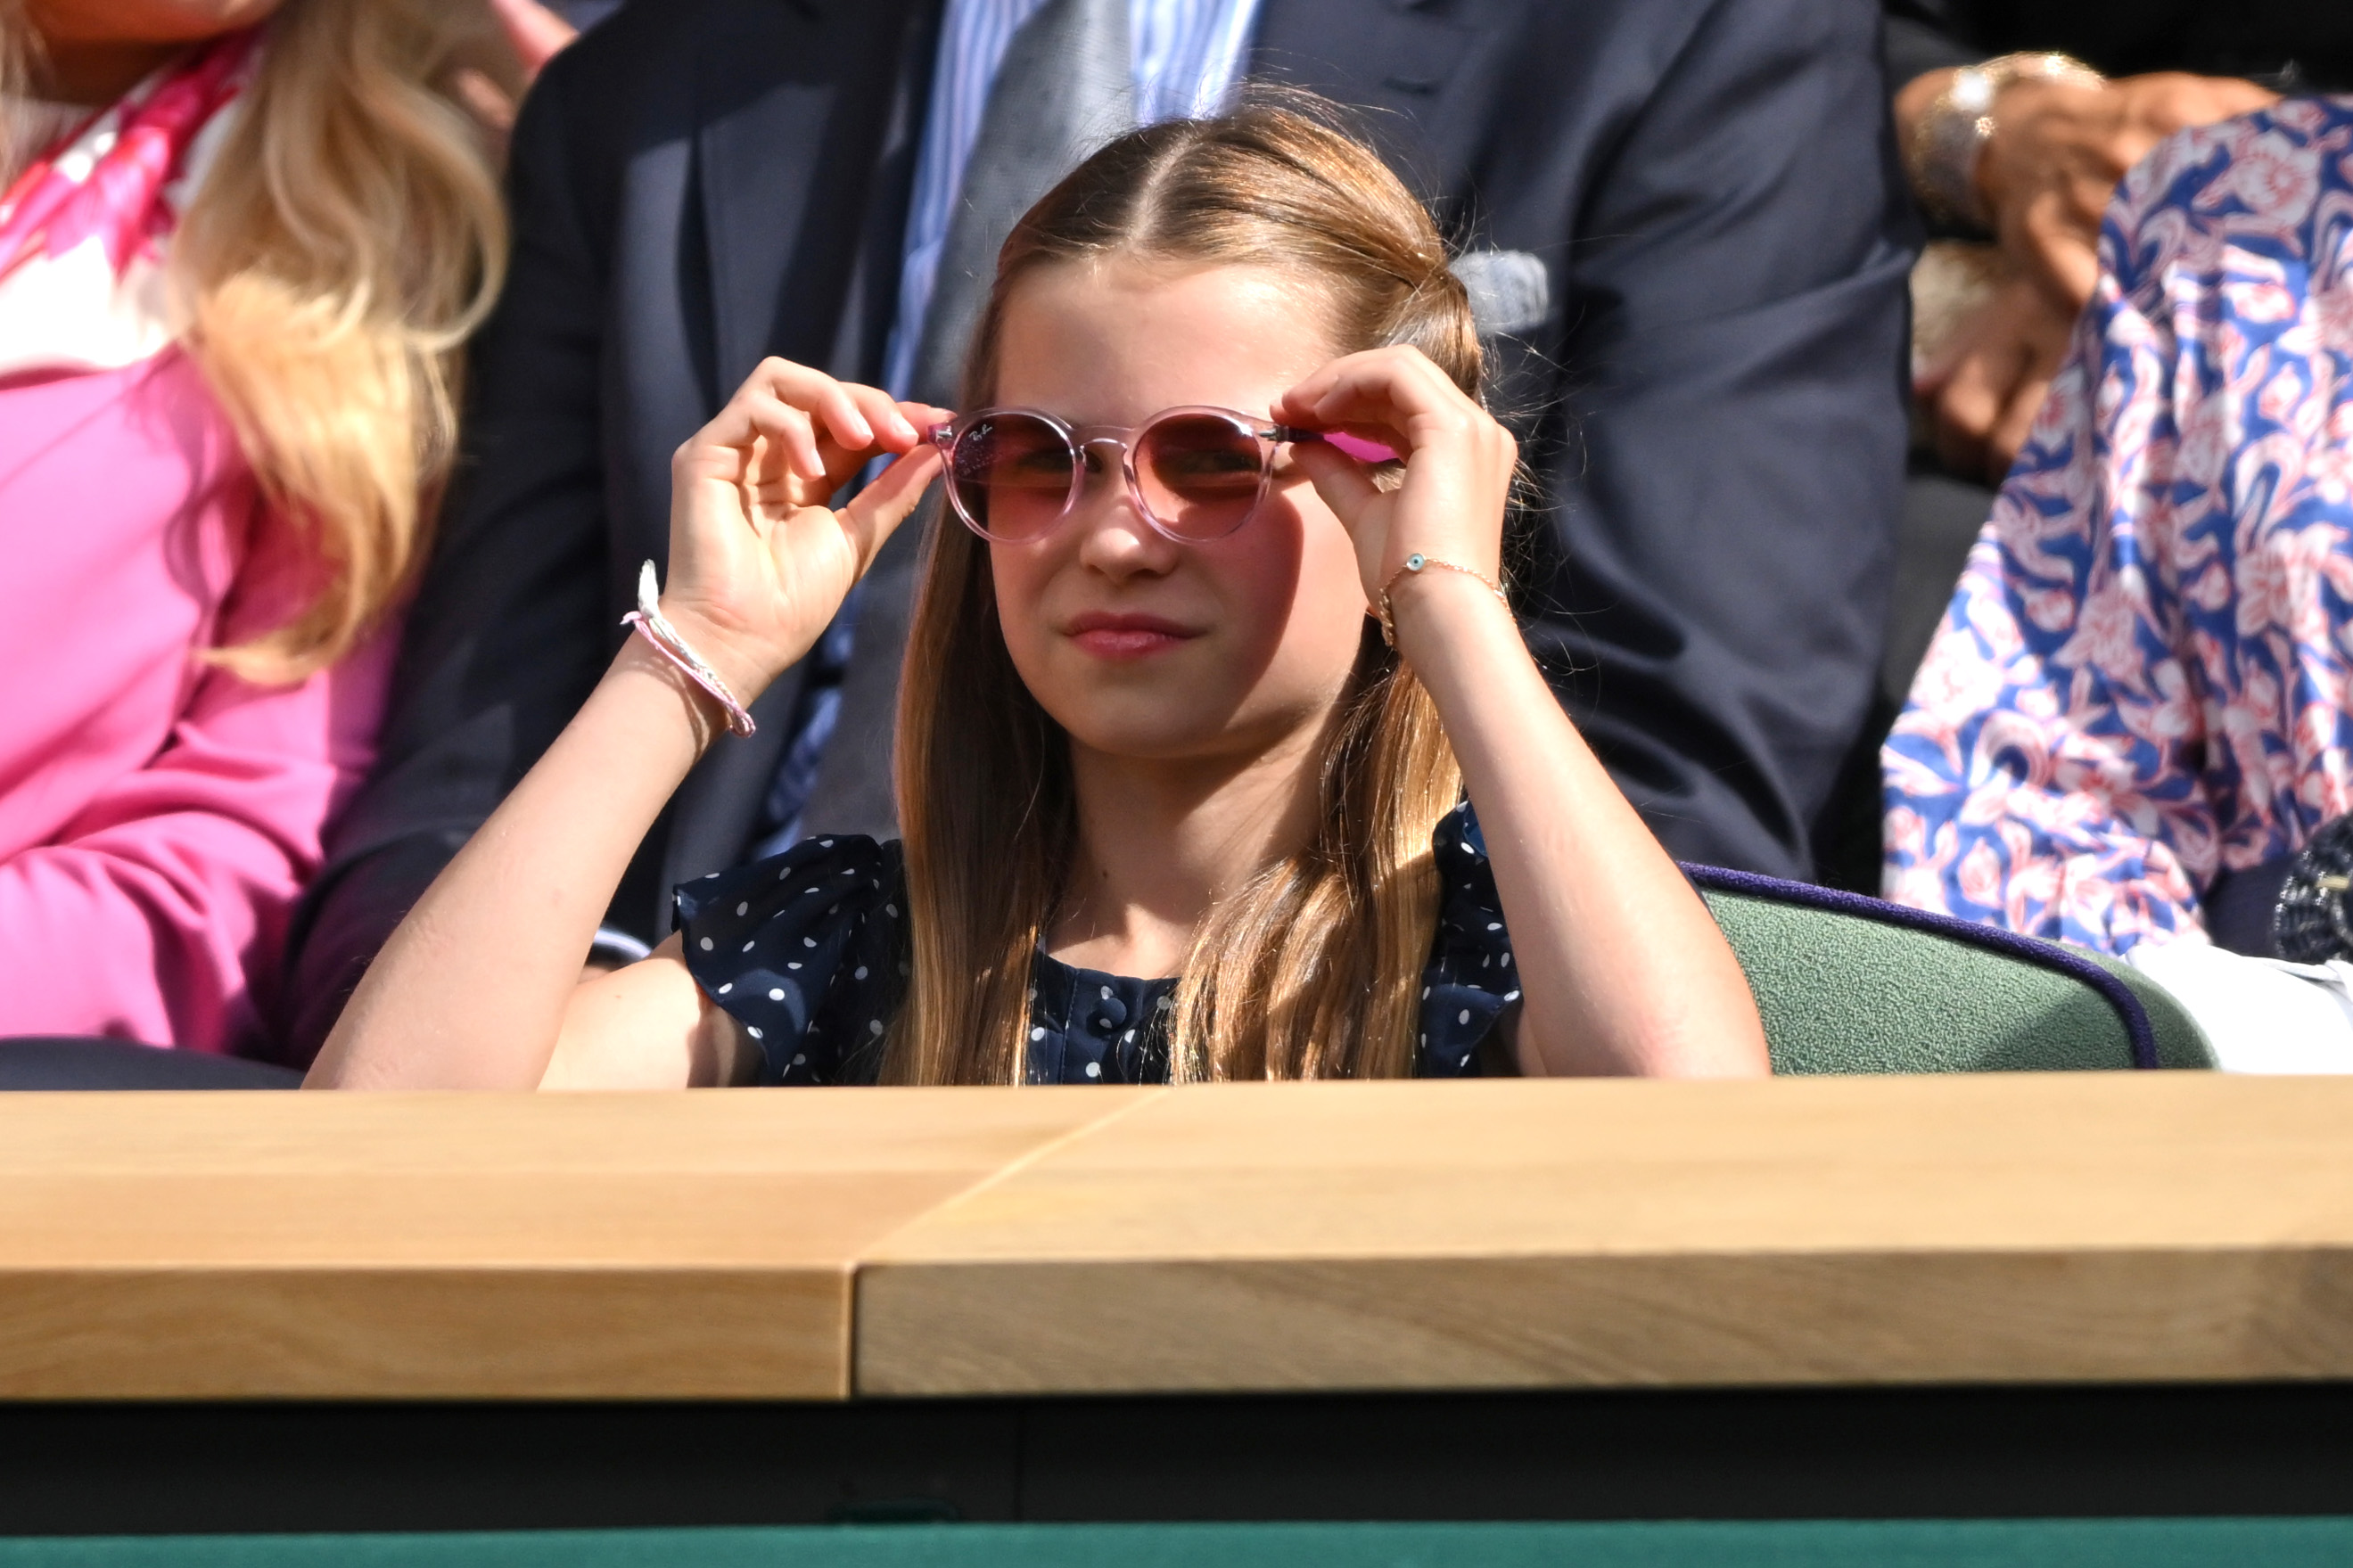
(469, 1246)
(814, 1244)
(1528, 1234)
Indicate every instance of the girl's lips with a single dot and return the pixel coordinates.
(1127, 636)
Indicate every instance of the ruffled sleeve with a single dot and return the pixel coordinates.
(807, 951)
(1470, 979)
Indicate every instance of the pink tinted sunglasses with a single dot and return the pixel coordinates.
(1195, 473)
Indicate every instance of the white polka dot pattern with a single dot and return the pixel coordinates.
(822, 1013)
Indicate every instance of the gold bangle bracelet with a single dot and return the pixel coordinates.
(1418, 561)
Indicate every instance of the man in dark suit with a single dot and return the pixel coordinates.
(1683, 226)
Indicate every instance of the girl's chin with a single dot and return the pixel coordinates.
(1141, 733)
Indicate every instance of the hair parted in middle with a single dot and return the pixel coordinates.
(1314, 969)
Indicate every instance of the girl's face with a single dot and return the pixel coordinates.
(1138, 646)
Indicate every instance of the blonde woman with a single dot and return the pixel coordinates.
(1203, 665)
(239, 243)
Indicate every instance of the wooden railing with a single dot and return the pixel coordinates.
(830, 1244)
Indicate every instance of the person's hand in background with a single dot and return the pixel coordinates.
(2042, 182)
(2058, 150)
(1987, 378)
(493, 90)
(536, 33)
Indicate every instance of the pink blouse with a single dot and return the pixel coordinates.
(157, 815)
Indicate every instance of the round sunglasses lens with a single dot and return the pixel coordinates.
(1201, 475)
(1011, 474)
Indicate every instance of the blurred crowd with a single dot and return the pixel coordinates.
(1934, 420)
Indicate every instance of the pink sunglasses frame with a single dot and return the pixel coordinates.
(1080, 437)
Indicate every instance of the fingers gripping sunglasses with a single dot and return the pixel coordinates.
(1195, 474)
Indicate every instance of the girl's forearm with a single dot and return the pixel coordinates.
(1621, 967)
(471, 992)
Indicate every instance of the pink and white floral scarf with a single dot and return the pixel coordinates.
(82, 229)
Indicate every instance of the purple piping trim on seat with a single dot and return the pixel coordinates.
(2009, 943)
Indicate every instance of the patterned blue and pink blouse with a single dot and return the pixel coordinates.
(2146, 676)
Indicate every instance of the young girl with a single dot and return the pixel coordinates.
(1174, 808)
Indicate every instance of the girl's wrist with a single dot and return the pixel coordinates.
(1427, 588)
(744, 671)
(1451, 627)
(703, 717)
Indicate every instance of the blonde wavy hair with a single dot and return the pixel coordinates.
(1313, 970)
(349, 238)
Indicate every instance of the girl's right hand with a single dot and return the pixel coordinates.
(1459, 461)
(759, 561)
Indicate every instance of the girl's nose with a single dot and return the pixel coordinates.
(1114, 538)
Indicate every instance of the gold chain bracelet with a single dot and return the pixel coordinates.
(1416, 562)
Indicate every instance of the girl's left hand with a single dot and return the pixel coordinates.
(1458, 462)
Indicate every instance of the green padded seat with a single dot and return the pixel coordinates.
(1852, 984)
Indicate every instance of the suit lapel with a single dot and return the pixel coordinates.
(1401, 60)
(799, 95)
(795, 97)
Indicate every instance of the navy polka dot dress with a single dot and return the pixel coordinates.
(808, 951)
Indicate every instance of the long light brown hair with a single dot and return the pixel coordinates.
(348, 238)
(1313, 969)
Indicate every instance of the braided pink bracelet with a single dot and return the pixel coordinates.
(656, 628)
